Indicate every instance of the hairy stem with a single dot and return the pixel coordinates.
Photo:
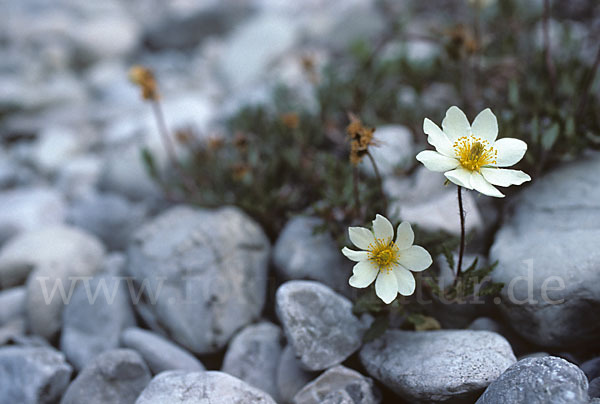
(168, 145)
(355, 191)
(379, 180)
(461, 252)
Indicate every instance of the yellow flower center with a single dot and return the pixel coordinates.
(474, 153)
(384, 254)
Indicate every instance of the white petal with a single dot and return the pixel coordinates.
(386, 286)
(405, 236)
(361, 237)
(504, 177)
(455, 124)
(383, 229)
(437, 138)
(460, 176)
(355, 255)
(510, 151)
(415, 258)
(406, 281)
(485, 126)
(481, 185)
(363, 274)
(435, 161)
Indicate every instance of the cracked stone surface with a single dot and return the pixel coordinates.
(179, 387)
(437, 366)
(204, 273)
(318, 323)
(545, 380)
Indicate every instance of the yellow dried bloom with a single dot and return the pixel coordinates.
(290, 119)
(144, 78)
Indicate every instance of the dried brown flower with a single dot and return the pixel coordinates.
(290, 119)
(144, 78)
(361, 137)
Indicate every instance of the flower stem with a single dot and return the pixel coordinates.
(461, 251)
(355, 191)
(168, 145)
(379, 180)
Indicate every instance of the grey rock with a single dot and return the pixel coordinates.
(303, 253)
(29, 208)
(591, 368)
(50, 246)
(291, 377)
(116, 376)
(179, 387)
(61, 256)
(594, 388)
(79, 176)
(547, 380)
(94, 318)
(31, 375)
(394, 150)
(159, 353)
(208, 269)
(12, 304)
(437, 366)
(318, 323)
(12, 330)
(518, 344)
(54, 146)
(110, 217)
(253, 356)
(339, 385)
(549, 260)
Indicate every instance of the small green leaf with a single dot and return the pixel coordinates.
(550, 136)
(149, 163)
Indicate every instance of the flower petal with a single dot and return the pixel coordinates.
(355, 255)
(481, 185)
(405, 236)
(363, 274)
(455, 124)
(485, 126)
(386, 286)
(437, 138)
(361, 237)
(460, 176)
(415, 258)
(383, 229)
(510, 151)
(406, 281)
(435, 161)
(504, 177)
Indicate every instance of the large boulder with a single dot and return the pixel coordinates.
(179, 387)
(253, 356)
(205, 271)
(116, 376)
(437, 366)
(549, 259)
(319, 323)
(12, 304)
(546, 380)
(291, 377)
(32, 375)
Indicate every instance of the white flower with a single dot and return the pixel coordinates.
(470, 155)
(386, 260)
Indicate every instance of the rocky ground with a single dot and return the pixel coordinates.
(178, 304)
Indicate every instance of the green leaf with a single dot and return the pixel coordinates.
(377, 328)
(550, 136)
(149, 163)
(449, 257)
